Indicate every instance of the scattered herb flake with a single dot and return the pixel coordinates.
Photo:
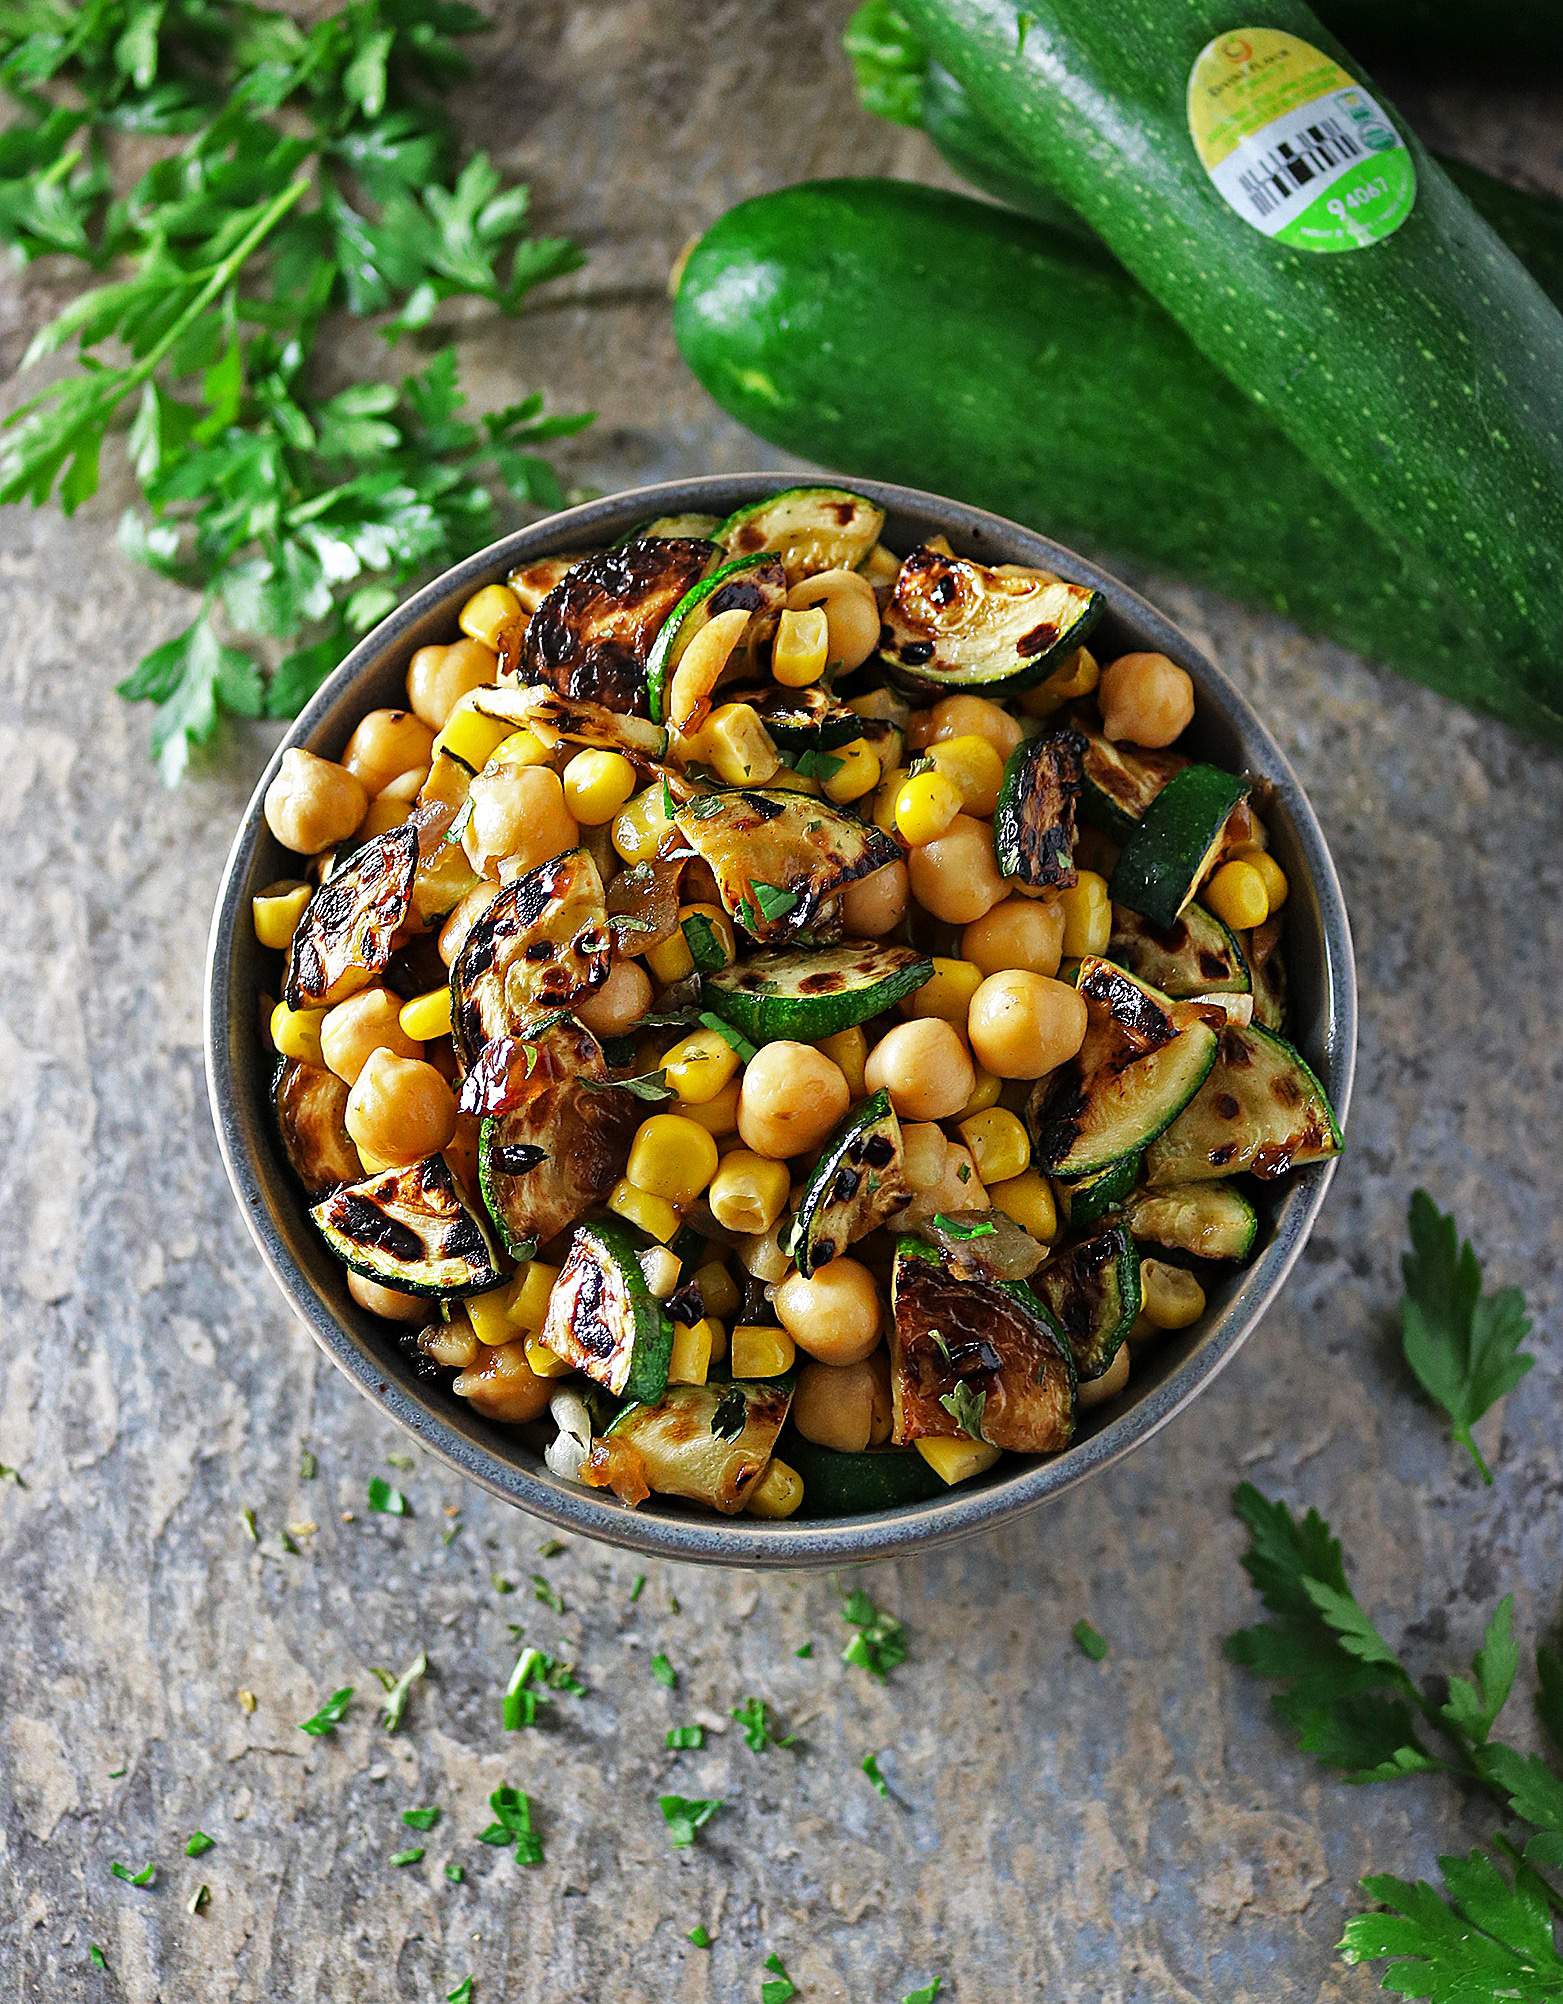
(781, 1989)
(753, 1716)
(805, 1650)
(329, 1717)
(819, 765)
(550, 1548)
(10, 1474)
(954, 1229)
(773, 901)
(637, 1588)
(664, 1672)
(512, 1825)
(686, 1816)
(308, 1466)
(421, 1819)
(1089, 1642)
(927, 1995)
(145, 1877)
(500, 1584)
(700, 1935)
(876, 1780)
(966, 1408)
(645, 1085)
(412, 1856)
(199, 1900)
(455, 1874)
(96, 1956)
(397, 1689)
(199, 1845)
(387, 1501)
(880, 1642)
(682, 1738)
(735, 1038)
(462, 1994)
(247, 1519)
(547, 1594)
(117, 1773)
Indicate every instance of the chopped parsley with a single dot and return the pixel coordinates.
(876, 1780)
(966, 1408)
(397, 1689)
(700, 1935)
(500, 1584)
(880, 1642)
(637, 1588)
(818, 765)
(512, 1826)
(412, 1856)
(145, 1877)
(9, 1474)
(116, 1773)
(247, 1519)
(550, 1548)
(199, 1845)
(547, 1594)
(400, 1461)
(664, 1672)
(385, 1499)
(1089, 1642)
(927, 1995)
(523, 1699)
(456, 1875)
(421, 1819)
(753, 1716)
(199, 1900)
(682, 1738)
(462, 1994)
(781, 1989)
(329, 1717)
(645, 1085)
(686, 1816)
(729, 1035)
(804, 1650)
(774, 903)
(954, 1229)
(99, 1960)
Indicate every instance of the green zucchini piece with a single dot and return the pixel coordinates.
(710, 1443)
(778, 856)
(1195, 955)
(803, 993)
(838, 1483)
(806, 719)
(1261, 1110)
(604, 1319)
(1034, 820)
(574, 717)
(1164, 861)
(542, 944)
(1117, 785)
(411, 1229)
(986, 1347)
(955, 624)
(756, 583)
(1093, 1197)
(703, 527)
(310, 1104)
(1092, 1294)
(1204, 1220)
(1143, 1059)
(858, 1182)
(1269, 975)
(810, 528)
(353, 923)
(590, 637)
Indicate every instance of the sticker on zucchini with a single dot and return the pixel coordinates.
(1295, 145)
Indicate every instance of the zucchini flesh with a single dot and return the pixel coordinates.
(1195, 955)
(858, 1182)
(604, 1319)
(710, 1443)
(755, 583)
(810, 528)
(778, 856)
(1269, 975)
(532, 582)
(1034, 820)
(800, 994)
(311, 1105)
(353, 923)
(1204, 1220)
(1261, 1110)
(952, 623)
(805, 719)
(1092, 1293)
(552, 716)
(410, 1228)
(702, 526)
(840, 1483)
(1118, 783)
(1143, 1059)
(1165, 860)
(543, 943)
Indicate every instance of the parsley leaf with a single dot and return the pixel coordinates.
(1089, 1642)
(774, 903)
(953, 1228)
(547, 1594)
(199, 1845)
(754, 1716)
(782, 1989)
(927, 1995)
(145, 1877)
(397, 1689)
(512, 1826)
(329, 1717)
(880, 1642)
(966, 1408)
(389, 1502)
(700, 1935)
(682, 1738)
(876, 1780)
(96, 1956)
(462, 1994)
(818, 765)
(412, 1856)
(421, 1819)
(1484, 1936)
(664, 1672)
(739, 1042)
(686, 1816)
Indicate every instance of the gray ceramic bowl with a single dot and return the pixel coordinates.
(1323, 1002)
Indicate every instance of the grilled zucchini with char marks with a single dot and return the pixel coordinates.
(351, 926)
(541, 945)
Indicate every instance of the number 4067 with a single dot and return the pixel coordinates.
(1359, 196)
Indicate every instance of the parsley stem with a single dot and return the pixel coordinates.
(1463, 1437)
(1517, 1857)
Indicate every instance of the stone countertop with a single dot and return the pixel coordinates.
(1130, 1830)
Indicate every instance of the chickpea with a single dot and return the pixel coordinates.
(1097, 1391)
(958, 1186)
(790, 1099)
(453, 933)
(834, 1315)
(386, 744)
(876, 904)
(367, 1022)
(1022, 1025)
(851, 613)
(1145, 698)
(973, 716)
(845, 1406)
(313, 803)
(1021, 932)
(503, 1386)
(450, 1343)
(400, 1109)
(955, 877)
(619, 1003)
(518, 818)
(924, 1067)
(923, 1145)
(438, 678)
(388, 1301)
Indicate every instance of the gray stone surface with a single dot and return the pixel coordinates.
(1129, 1831)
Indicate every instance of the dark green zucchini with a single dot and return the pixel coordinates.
(952, 624)
(710, 1443)
(810, 528)
(410, 1228)
(1034, 821)
(1092, 1197)
(837, 1483)
(1269, 975)
(1119, 782)
(353, 923)
(757, 584)
(1204, 1220)
(310, 1104)
(858, 1182)
(1260, 1110)
(1092, 1293)
(1195, 955)
(805, 719)
(804, 993)
(604, 1319)
(778, 856)
(1164, 861)
(541, 945)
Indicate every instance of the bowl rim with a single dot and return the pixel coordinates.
(741, 1541)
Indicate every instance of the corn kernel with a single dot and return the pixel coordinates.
(1273, 877)
(857, 772)
(523, 747)
(1088, 915)
(296, 1033)
(487, 612)
(276, 912)
(638, 1207)
(734, 742)
(761, 1350)
(690, 1363)
(848, 1052)
(947, 992)
(699, 1065)
(1236, 894)
(956, 1460)
(546, 1363)
(669, 960)
(881, 566)
(427, 1016)
(748, 1193)
(662, 1269)
(671, 1157)
(925, 806)
(1028, 1199)
(999, 1144)
(641, 825)
(470, 736)
(371, 1164)
(448, 784)
(385, 812)
(1077, 677)
(778, 1492)
(596, 786)
(802, 643)
(1170, 1296)
(974, 767)
(489, 1314)
(719, 1115)
(984, 1093)
(719, 1294)
(529, 1293)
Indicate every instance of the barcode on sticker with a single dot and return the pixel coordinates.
(1296, 164)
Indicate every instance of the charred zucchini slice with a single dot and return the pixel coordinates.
(410, 1228)
(754, 584)
(976, 1357)
(858, 1182)
(803, 993)
(807, 719)
(709, 1443)
(1143, 1059)
(955, 624)
(542, 944)
(838, 1483)
(1261, 1109)
(810, 528)
(1092, 1294)
(778, 856)
(1034, 821)
(1117, 784)
(1204, 1220)
(700, 527)
(605, 1320)
(1269, 975)
(1195, 955)
(591, 635)
(351, 925)
(310, 1104)
(1093, 1197)
(532, 582)
(552, 716)
(1164, 861)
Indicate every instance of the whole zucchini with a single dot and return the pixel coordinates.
(904, 332)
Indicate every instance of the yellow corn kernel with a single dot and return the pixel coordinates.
(719, 1294)
(523, 747)
(761, 1350)
(641, 825)
(1088, 915)
(984, 1093)
(596, 786)
(888, 793)
(1273, 877)
(848, 1051)
(690, 1363)
(1236, 894)
(957, 1460)
(276, 912)
(529, 1293)
(748, 1193)
(669, 960)
(661, 1268)
(1170, 1296)
(489, 1314)
(427, 1016)
(1028, 1199)
(947, 992)
(788, 781)
(778, 1492)
(975, 769)
(925, 806)
(371, 1164)
(734, 742)
(857, 772)
(638, 1207)
(546, 1363)
(699, 1065)
(470, 736)
(296, 1033)
(719, 1115)
(487, 611)
(802, 642)
(999, 1144)
(1077, 677)
(671, 1157)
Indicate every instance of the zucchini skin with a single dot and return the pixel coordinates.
(840, 1484)
(1099, 417)
(1095, 99)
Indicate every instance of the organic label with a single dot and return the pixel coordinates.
(1296, 145)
